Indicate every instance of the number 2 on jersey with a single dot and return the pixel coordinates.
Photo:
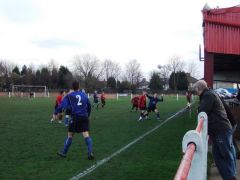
(79, 100)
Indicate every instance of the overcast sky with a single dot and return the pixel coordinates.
(151, 31)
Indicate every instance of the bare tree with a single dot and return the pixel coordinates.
(193, 69)
(164, 72)
(6, 68)
(52, 65)
(175, 65)
(88, 67)
(133, 72)
(111, 69)
(2, 68)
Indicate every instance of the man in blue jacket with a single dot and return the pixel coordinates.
(80, 109)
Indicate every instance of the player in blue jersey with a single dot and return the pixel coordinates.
(152, 105)
(95, 99)
(80, 107)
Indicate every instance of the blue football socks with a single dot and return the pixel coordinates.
(67, 144)
(88, 141)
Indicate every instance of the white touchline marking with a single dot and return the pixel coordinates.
(101, 162)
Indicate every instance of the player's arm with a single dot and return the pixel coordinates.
(149, 97)
(64, 104)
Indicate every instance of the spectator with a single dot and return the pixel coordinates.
(219, 130)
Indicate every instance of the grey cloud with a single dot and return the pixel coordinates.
(57, 42)
(19, 11)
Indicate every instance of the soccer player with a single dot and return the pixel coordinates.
(57, 103)
(152, 106)
(189, 98)
(135, 102)
(80, 107)
(103, 99)
(95, 99)
(142, 105)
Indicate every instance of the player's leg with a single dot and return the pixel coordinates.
(67, 117)
(67, 144)
(146, 113)
(188, 102)
(53, 118)
(59, 117)
(98, 104)
(157, 113)
(103, 103)
(88, 141)
(141, 115)
(133, 106)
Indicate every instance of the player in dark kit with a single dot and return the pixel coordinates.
(95, 99)
(152, 106)
(189, 98)
(80, 107)
(135, 101)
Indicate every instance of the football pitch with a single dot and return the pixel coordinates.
(29, 142)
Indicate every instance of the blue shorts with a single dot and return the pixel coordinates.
(68, 112)
(55, 111)
(78, 124)
(151, 108)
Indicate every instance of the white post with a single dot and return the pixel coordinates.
(48, 94)
(177, 97)
(117, 96)
(21, 94)
(88, 95)
(34, 94)
(45, 91)
(9, 94)
(204, 135)
(198, 170)
(12, 90)
(131, 95)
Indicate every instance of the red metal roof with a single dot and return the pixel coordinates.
(221, 28)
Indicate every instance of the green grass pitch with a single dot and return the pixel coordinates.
(29, 143)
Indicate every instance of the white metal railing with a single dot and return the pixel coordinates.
(195, 147)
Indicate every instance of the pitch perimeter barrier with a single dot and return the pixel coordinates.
(193, 165)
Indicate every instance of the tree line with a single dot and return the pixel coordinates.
(95, 74)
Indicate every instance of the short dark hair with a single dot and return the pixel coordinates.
(75, 85)
(61, 92)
